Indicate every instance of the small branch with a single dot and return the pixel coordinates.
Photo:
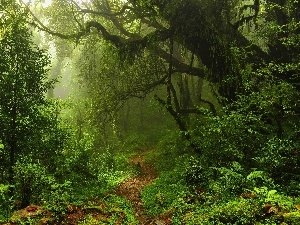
(190, 111)
(148, 88)
(192, 60)
(180, 66)
(75, 3)
(46, 29)
(243, 20)
(176, 102)
(174, 114)
(169, 79)
(152, 24)
(211, 106)
(246, 19)
(89, 11)
(119, 25)
(180, 123)
(116, 40)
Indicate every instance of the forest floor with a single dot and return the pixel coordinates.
(130, 189)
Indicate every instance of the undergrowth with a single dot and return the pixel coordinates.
(170, 185)
(195, 193)
(90, 174)
(111, 209)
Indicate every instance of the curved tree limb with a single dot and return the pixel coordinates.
(211, 106)
(159, 35)
(175, 99)
(181, 124)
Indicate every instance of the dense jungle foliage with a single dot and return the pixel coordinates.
(205, 91)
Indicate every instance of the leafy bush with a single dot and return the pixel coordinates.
(258, 206)
(280, 158)
(159, 196)
(59, 198)
(35, 185)
(135, 143)
(92, 170)
(229, 181)
(31, 180)
(5, 203)
(230, 137)
(113, 168)
(170, 146)
(115, 210)
(223, 181)
(292, 218)
(281, 201)
(171, 184)
(259, 179)
(236, 211)
(196, 174)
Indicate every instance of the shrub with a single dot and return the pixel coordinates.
(222, 181)
(236, 211)
(196, 174)
(263, 206)
(31, 180)
(259, 179)
(229, 181)
(5, 203)
(58, 198)
(280, 158)
(114, 210)
(35, 185)
(170, 185)
(160, 195)
(231, 137)
(292, 218)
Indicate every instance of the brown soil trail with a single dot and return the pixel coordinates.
(132, 187)
(129, 189)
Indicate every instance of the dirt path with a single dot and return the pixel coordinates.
(131, 188)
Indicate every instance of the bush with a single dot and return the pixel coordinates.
(170, 185)
(31, 180)
(136, 143)
(280, 158)
(230, 181)
(292, 218)
(5, 203)
(160, 195)
(259, 179)
(237, 211)
(222, 181)
(261, 206)
(195, 174)
(231, 137)
(58, 198)
(35, 185)
(115, 210)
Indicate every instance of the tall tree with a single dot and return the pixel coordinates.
(27, 119)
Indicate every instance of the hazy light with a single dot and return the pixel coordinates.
(45, 4)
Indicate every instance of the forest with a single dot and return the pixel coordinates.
(150, 112)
